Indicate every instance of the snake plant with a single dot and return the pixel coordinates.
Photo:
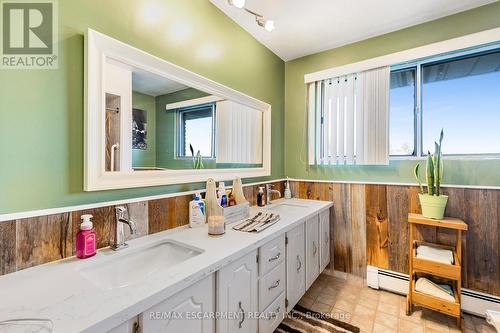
(197, 160)
(433, 170)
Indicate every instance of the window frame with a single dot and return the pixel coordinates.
(179, 130)
(418, 113)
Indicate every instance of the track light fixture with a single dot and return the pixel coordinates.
(237, 3)
(259, 19)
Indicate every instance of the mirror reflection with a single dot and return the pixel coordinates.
(156, 123)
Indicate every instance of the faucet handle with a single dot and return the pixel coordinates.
(120, 211)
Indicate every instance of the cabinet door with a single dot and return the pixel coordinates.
(237, 294)
(295, 265)
(312, 250)
(324, 239)
(183, 312)
(130, 326)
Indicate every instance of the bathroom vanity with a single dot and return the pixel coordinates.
(255, 277)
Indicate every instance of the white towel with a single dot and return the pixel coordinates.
(435, 254)
(428, 287)
(493, 318)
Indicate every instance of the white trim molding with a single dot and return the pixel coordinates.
(60, 210)
(454, 44)
(193, 102)
(67, 209)
(99, 48)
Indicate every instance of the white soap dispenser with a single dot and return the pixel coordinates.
(288, 192)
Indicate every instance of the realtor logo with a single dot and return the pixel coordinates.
(29, 34)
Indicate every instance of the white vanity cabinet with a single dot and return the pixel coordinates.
(237, 294)
(295, 265)
(324, 239)
(272, 280)
(183, 308)
(130, 326)
(266, 282)
(312, 250)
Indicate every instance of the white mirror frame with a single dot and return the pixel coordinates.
(99, 47)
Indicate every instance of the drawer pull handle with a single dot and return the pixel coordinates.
(276, 257)
(275, 313)
(326, 237)
(315, 248)
(299, 264)
(240, 324)
(275, 285)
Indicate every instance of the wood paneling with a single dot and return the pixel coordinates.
(368, 225)
(481, 214)
(158, 213)
(342, 229)
(377, 236)
(398, 204)
(138, 213)
(7, 247)
(43, 239)
(385, 209)
(104, 225)
(358, 229)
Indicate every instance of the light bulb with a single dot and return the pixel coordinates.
(269, 25)
(237, 3)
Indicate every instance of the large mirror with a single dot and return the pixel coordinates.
(149, 122)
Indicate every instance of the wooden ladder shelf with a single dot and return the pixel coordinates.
(440, 270)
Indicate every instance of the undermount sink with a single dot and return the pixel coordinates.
(285, 207)
(121, 269)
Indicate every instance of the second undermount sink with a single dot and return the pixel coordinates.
(121, 269)
(285, 207)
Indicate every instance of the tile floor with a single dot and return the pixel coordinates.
(375, 311)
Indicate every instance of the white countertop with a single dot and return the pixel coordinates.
(56, 290)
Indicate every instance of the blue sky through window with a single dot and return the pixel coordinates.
(462, 96)
(468, 109)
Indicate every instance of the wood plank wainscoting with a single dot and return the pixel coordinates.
(34, 241)
(369, 226)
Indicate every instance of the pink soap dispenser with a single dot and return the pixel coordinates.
(85, 238)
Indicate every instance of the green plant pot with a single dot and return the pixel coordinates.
(433, 206)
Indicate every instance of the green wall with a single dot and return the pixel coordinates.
(470, 172)
(146, 158)
(41, 111)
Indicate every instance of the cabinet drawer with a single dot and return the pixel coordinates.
(271, 285)
(273, 315)
(271, 254)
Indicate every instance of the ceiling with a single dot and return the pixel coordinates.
(306, 27)
(153, 85)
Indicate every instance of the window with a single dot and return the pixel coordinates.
(196, 128)
(402, 112)
(460, 93)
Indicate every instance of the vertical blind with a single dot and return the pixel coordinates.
(348, 120)
(239, 133)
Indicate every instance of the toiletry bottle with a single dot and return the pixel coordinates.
(288, 193)
(197, 212)
(86, 238)
(231, 199)
(261, 199)
(222, 194)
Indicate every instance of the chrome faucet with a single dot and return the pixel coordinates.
(269, 190)
(120, 234)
